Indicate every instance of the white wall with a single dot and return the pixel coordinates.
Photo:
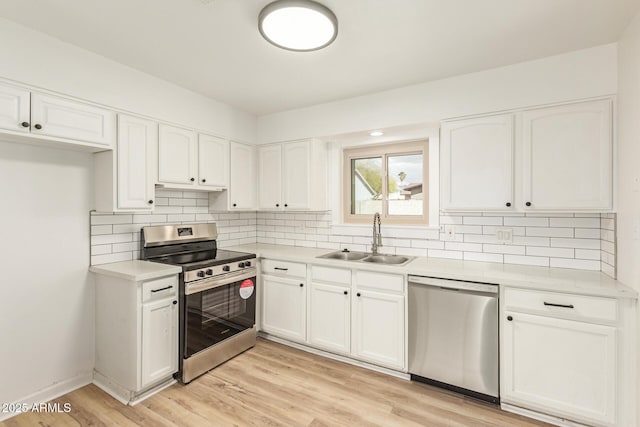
(575, 75)
(628, 160)
(37, 59)
(46, 303)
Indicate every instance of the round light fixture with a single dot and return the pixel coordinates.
(299, 25)
(376, 133)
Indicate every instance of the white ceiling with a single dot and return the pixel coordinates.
(214, 47)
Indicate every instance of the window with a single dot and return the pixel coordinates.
(390, 179)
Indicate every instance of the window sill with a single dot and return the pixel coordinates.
(395, 231)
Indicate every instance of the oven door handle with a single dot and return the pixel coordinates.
(203, 285)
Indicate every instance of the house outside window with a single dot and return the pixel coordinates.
(391, 179)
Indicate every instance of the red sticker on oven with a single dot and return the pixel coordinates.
(246, 288)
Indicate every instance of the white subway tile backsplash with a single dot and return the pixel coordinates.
(585, 241)
(576, 243)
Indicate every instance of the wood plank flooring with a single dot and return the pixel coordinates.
(275, 385)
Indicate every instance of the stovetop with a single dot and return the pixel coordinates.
(200, 259)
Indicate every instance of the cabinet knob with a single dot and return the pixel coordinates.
(193, 179)
(285, 205)
(38, 126)
(204, 180)
(234, 205)
(24, 124)
(508, 204)
(528, 203)
(277, 205)
(302, 285)
(150, 202)
(175, 302)
(358, 294)
(509, 318)
(346, 293)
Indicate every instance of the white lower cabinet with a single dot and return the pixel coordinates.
(559, 362)
(284, 307)
(378, 328)
(330, 317)
(353, 313)
(136, 335)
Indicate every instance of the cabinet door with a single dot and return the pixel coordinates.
(330, 317)
(378, 328)
(14, 108)
(64, 118)
(296, 175)
(177, 156)
(213, 161)
(561, 367)
(159, 341)
(137, 140)
(270, 177)
(284, 307)
(567, 157)
(242, 183)
(477, 163)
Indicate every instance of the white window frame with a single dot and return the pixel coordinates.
(384, 151)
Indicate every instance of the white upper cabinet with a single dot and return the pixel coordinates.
(64, 118)
(270, 173)
(213, 161)
(293, 176)
(560, 157)
(177, 156)
(567, 157)
(125, 177)
(15, 113)
(56, 119)
(242, 179)
(477, 163)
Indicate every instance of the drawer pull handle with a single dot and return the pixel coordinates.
(161, 289)
(549, 304)
(280, 268)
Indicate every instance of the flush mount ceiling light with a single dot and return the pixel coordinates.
(298, 25)
(376, 133)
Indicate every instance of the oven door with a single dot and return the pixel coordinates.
(217, 309)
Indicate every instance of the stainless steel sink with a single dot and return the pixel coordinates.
(367, 257)
(345, 256)
(387, 259)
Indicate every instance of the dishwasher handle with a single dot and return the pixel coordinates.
(489, 288)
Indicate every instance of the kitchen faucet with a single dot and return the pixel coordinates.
(377, 237)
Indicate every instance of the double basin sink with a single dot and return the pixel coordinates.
(367, 257)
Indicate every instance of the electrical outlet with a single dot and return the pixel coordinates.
(449, 232)
(504, 235)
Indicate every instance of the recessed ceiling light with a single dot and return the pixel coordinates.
(299, 25)
(376, 133)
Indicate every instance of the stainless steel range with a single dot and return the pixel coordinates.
(217, 294)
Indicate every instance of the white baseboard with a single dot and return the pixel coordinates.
(340, 358)
(52, 392)
(128, 397)
(540, 417)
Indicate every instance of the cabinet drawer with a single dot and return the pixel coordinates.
(332, 275)
(284, 268)
(166, 287)
(379, 281)
(554, 303)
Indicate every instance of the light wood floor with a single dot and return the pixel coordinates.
(275, 385)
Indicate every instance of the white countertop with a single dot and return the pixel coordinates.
(542, 278)
(136, 270)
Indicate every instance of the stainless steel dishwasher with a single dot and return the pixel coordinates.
(453, 335)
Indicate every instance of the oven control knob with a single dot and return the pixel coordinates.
(226, 268)
(241, 265)
(209, 272)
(200, 273)
(247, 264)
